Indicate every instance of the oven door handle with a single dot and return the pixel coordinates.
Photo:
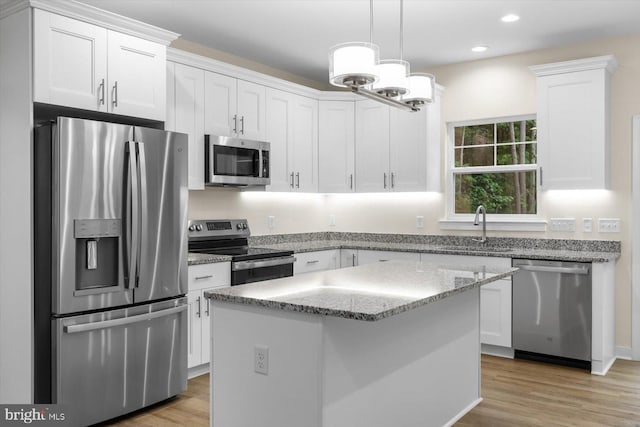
(246, 265)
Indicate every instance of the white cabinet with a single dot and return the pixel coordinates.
(391, 148)
(573, 123)
(336, 146)
(202, 278)
(234, 107)
(368, 256)
(185, 113)
(292, 130)
(348, 258)
(308, 262)
(82, 65)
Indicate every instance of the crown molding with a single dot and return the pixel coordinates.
(86, 13)
(607, 62)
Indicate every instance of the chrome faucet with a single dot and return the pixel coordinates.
(476, 221)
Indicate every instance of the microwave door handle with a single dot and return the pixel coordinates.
(133, 217)
(142, 180)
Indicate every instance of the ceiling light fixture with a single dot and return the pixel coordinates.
(511, 17)
(479, 48)
(356, 65)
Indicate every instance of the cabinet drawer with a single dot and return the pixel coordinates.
(453, 260)
(216, 275)
(316, 261)
(369, 256)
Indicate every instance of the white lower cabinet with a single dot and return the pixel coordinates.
(201, 278)
(308, 262)
(368, 256)
(348, 258)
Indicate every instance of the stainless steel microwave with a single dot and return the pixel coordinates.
(236, 161)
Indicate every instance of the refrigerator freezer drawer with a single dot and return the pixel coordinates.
(110, 363)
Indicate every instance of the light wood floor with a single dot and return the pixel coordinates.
(515, 392)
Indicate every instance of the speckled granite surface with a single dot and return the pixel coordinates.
(553, 249)
(369, 292)
(195, 259)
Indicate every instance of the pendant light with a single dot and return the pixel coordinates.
(393, 73)
(354, 64)
(421, 89)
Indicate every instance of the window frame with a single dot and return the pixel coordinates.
(452, 171)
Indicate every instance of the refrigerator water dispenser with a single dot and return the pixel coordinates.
(97, 244)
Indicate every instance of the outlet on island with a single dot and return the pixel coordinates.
(261, 359)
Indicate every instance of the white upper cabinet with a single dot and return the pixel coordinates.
(573, 123)
(189, 117)
(292, 131)
(82, 65)
(336, 146)
(234, 108)
(408, 150)
(372, 147)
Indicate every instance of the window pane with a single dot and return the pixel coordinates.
(473, 135)
(517, 154)
(500, 193)
(521, 131)
(474, 156)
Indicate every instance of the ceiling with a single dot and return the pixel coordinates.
(295, 35)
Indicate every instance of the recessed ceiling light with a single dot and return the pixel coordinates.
(479, 48)
(510, 18)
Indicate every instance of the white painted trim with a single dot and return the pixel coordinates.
(635, 240)
(196, 371)
(498, 351)
(213, 65)
(462, 413)
(607, 62)
(93, 15)
(600, 368)
(495, 225)
(623, 353)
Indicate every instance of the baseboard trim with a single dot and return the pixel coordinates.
(196, 371)
(600, 368)
(495, 350)
(624, 353)
(462, 413)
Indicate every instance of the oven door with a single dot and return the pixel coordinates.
(234, 161)
(243, 272)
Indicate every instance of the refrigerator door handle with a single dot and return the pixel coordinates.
(142, 180)
(94, 326)
(133, 220)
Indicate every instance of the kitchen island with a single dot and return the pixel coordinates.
(394, 343)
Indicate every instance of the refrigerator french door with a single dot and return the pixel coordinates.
(110, 266)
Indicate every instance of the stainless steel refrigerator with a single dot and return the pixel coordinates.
(110, 267)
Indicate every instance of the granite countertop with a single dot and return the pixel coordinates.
(195, 259)
(369, 292)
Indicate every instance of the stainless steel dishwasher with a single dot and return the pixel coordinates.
(552, 312)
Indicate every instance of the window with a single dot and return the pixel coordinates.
(493, 163)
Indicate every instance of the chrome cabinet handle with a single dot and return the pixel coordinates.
(101, 92)
(198, 313)
(207, 311)
(208, 276)
(235, 123)
(353, 260)
(351, 181)
(114, 102)
(242, 125)
(393, 180)
(385, 180)
(291, 180)
(298, 180)
(313, 261)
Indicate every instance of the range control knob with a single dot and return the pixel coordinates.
(199, 227)
(239, 226)
(192, 228)
(244, 225)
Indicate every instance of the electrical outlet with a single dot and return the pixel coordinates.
(271, 222)
(332, 220)
(419, 221)
(609, 225)
(563, 224)
(261, 359)
(587, 225)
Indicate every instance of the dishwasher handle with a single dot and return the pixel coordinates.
(548, 269)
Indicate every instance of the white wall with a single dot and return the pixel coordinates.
(16, 285)
(481, 89)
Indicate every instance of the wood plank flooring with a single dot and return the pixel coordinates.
(515, 392)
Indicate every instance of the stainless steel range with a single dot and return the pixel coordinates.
(231, 237)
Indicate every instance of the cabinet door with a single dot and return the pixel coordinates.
(495, 313)
(137, 76)
(303, 147)
(189, 118)
(316, 261)
(573, 130)
(251, 110)
(372, 147)
(336, 146)
(348, 258)
(194, 339)
(69, 62)
(368, 257)
(220, 104)
(206, 330)
(408, 150)
(278, 129)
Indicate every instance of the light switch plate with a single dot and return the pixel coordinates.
(271, 222)
(587, 225)
(332, 220)
(562, 224)
(419, 221)
(609, 225)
